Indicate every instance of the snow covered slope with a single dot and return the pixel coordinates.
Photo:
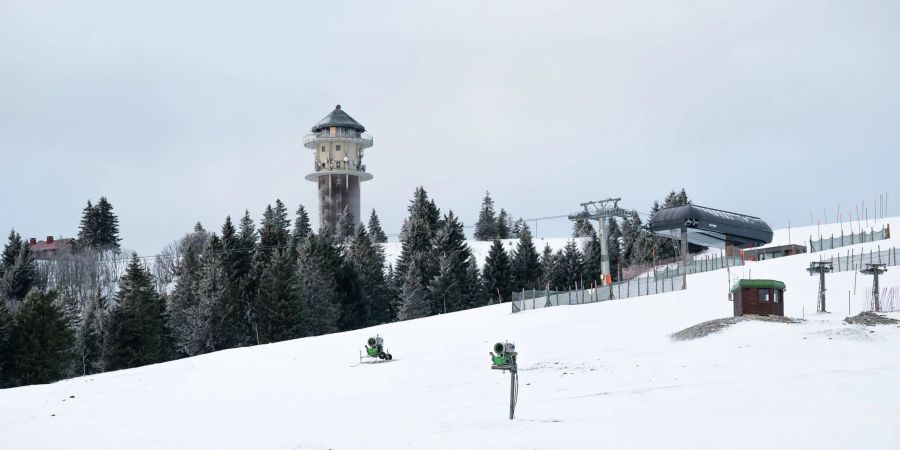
(593, 376)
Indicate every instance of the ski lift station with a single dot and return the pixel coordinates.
(710, 227)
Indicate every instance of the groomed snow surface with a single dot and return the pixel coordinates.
(592, 376)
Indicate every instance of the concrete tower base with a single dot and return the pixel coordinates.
(337, 192)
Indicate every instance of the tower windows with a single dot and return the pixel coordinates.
(337, 147)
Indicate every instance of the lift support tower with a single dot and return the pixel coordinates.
(601, 211)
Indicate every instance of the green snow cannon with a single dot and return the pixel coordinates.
(375, 348)
(504, 356)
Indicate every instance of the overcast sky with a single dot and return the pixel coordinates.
(181, 112)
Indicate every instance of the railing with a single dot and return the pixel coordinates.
(339, 165)
(362, 138)
(857, 261)
(833, 242)
(626, 289)
(658, 280)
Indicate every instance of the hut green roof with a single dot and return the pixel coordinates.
(758, 284)
(338, 118)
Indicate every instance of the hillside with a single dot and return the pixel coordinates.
(604, 375)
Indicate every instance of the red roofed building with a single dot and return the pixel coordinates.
(48, 248)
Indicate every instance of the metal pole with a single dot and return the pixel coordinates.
(604, 251)
(822, 288)
(512, 391)
(875, 290)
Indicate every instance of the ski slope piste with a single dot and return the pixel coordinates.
(604, 375)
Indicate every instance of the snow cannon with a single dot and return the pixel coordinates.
(504, 356)
(375, 349)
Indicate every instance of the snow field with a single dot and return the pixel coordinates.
(602, 375)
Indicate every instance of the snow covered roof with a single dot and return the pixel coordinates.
(338, 118)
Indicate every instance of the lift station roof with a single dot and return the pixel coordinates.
(711, 227)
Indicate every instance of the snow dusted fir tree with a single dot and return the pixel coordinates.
(186, 313)
(486, 228)
(582, 228)
(346, 226)
(375, 232)
(547, 266)
(17, 269)
(415, 298)
(90, 337)
(99, 229)
(526, 264)
(137, 327)
(318, 299)
(301, 227)
(497, 274)
(41, 341)
(572, 265)
(504, 225)
(366, 259)
(6, 328)
(453, 259)
(279, 312)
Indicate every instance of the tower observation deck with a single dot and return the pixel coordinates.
(338, 143)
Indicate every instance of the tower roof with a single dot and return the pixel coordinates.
(338, 118)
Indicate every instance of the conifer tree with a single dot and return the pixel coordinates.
(504, 225)
(547, 266)
(519, 227)
(526, 264)
(212, 293)
(137, 324)
(318, 299)
(474, 294)
(486, 228)
(87, 230)
(302, 228)
(444, 288)
(11, 251)
(18, 272)
(582, 228)
(278, 311)
(614, 246)
(346, 226)
(366, 259)
(186, 318)
(450, 249)
(41, 340)
(593, 260)
(497, 274)
(229, 314)
(572, 265)
(7, 321)
(106, 235)
(558, 277)
(375, 231)
(91, 337)
(416, 301)
(631, 230)
(417, 237)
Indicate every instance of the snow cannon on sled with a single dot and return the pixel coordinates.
(504, 356)
(375, 351)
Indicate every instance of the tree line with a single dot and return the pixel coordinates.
(87, 309)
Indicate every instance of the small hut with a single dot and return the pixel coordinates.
(763, 297)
